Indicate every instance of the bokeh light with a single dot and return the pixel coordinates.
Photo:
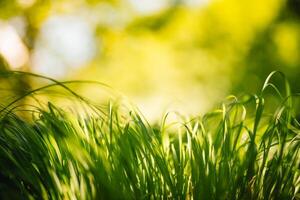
(64, 43)
(183, 55)
(12, 47)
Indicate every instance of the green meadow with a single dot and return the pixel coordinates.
(239, 150)
(149, 99)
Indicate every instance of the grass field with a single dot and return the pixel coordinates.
(240, 150)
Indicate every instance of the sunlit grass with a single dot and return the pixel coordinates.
(233, 152)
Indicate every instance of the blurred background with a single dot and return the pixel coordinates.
(164, 55)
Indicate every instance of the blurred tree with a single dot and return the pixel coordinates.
(3, 64)
(277, 47)
(293, 6)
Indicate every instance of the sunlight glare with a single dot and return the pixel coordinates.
(11, 47)
(70, 43)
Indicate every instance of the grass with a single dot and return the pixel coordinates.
(233, 152)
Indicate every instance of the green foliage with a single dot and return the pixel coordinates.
(113, 153)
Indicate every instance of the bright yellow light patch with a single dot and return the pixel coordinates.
(286, 38)
(26, 3)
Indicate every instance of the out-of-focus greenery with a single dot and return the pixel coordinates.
(194, 54)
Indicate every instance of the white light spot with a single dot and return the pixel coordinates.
(19, 24)
(193, 3)
(149, 6)
(68, 40)
(46, 63)
(11, 47)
